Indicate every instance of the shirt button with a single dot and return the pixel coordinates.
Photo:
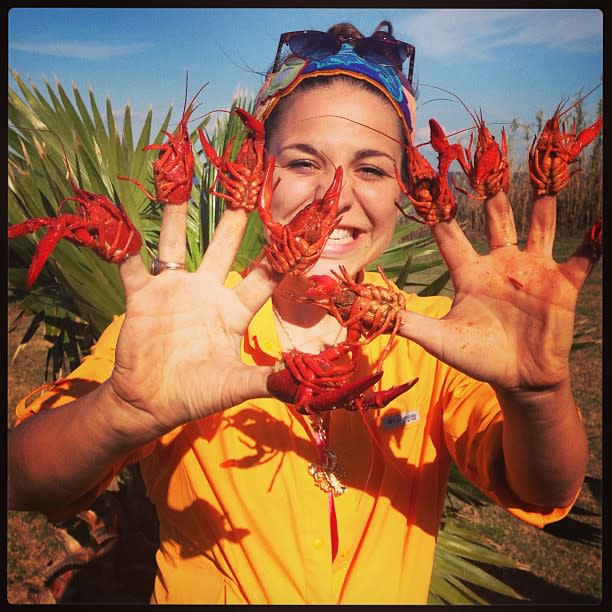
(317, 543)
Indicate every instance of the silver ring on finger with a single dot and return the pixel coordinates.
(158, 266)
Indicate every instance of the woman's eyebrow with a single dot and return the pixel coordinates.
(360, 153)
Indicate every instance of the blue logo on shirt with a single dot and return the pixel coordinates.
(400, 419)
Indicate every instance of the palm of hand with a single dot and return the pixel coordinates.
(178, 354)
(511, 321)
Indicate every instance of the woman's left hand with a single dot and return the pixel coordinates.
(512, 318)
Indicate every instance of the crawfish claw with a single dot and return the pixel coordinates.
(342, 397)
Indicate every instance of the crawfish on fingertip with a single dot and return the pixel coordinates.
(427, 190)
(97, 223)
(241, 178)
(173, 169)
(554, 150)
(488, 170)
(294, 248)
(365, 309)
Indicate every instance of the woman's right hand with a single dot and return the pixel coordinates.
(178, 354)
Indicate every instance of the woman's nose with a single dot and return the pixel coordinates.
(346, 195)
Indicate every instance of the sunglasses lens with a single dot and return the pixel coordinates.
(313, 44)
(383, 52)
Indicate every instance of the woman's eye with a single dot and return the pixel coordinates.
(373, 171)
(299, 164)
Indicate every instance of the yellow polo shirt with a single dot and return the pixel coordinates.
(241, 519)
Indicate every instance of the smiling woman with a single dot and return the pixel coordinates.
(319, 488)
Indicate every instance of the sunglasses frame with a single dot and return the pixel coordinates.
(286, 37)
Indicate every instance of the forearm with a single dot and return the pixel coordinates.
(58, 455)
(545, 445)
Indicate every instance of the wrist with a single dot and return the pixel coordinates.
(537, 401)
(128, 426)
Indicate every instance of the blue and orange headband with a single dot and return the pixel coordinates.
(346, 62)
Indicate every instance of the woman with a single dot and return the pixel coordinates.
(256, 502)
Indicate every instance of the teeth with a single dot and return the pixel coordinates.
(341, 235)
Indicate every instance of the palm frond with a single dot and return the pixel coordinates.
(460, 553)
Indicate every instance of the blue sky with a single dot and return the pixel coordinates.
(508, 62)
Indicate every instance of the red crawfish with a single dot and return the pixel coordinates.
(173, 169)
(488, 170)
(98, 224)
(318, 383)
(295, 247)
(242, 178)
(552, 153)
(427, 189)
(447, 153)
(365, 309)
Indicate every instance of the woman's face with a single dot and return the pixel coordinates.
(309, 145)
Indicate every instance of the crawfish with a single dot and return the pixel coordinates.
(363, 308)
(242, 178)
(447, 153)
(488, 172)
(295, 247)
(97, 224)
(552, 153)
(316, 383)
(427, 189)
(173, 169)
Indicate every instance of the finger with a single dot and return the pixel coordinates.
(255, 289)
(172, 237)
(251, 382)
(425, 331)
(133, 275)
(543, 226)
(454, 246)
(225, 243)
(578, 267)
(499, 220)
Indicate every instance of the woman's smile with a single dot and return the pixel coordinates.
(313, 142)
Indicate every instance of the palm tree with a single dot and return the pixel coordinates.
(77, 294)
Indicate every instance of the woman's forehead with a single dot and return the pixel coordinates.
(337, 104)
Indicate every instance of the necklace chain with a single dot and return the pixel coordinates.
(285, 329)
(328, 472)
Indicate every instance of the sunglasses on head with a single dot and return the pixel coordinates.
(380, 48)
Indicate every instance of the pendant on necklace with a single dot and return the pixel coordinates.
(327, 474)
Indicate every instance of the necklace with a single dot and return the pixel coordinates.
(287, 333)
(328, 472)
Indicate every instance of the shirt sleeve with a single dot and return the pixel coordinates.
(93, 371)
(473, 423)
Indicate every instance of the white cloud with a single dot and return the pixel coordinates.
(470, 33)
(85, 51)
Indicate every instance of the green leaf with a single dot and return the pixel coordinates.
(437, 285)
